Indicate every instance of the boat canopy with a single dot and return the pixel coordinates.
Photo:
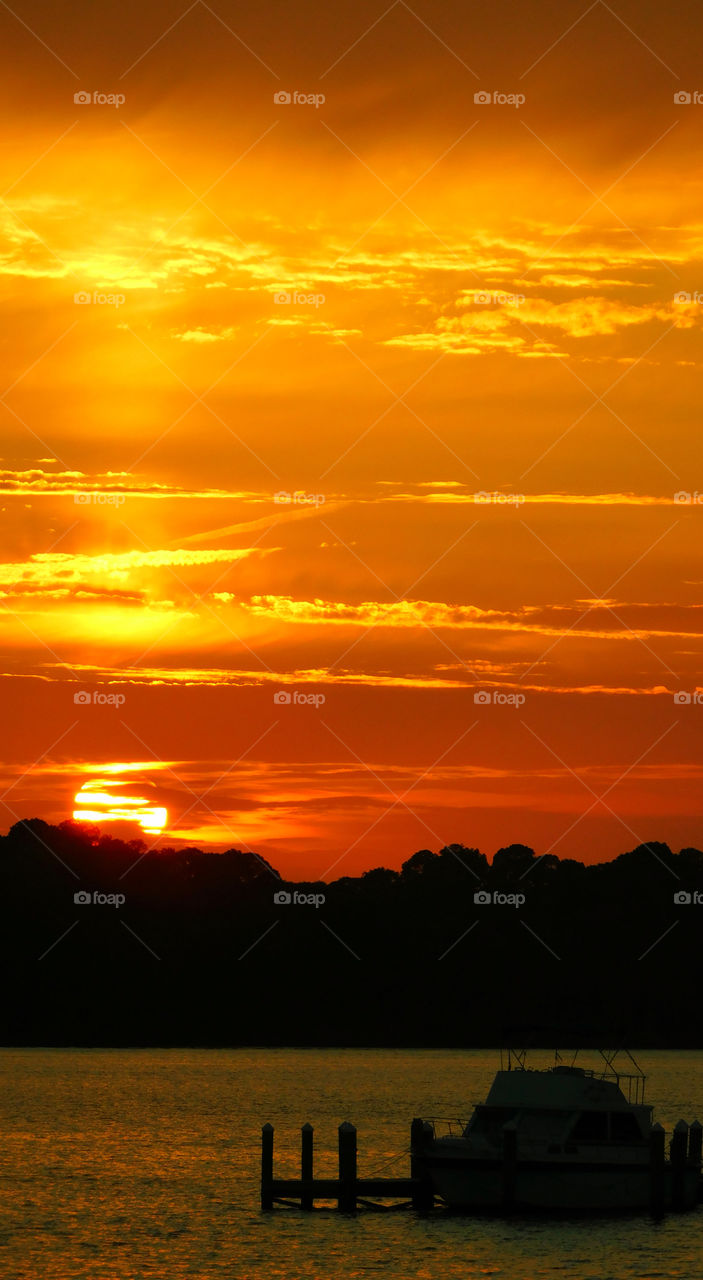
(570, 1090)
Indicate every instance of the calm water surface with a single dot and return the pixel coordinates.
(136, 1164)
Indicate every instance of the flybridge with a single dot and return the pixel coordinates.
(631, 1082)
(555, 1088)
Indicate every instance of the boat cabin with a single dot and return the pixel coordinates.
(561, 1107)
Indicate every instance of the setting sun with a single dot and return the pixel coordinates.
(95, 803)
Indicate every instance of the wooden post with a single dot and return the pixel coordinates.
(422, 1192)
(509, 1165)
(306, 1175)
(266, 1166)
(679, 1143)
(347, 1167)
(657, 1138)
(695, 1142)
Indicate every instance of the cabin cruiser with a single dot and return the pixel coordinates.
(562, 1138)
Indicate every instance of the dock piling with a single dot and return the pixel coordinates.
(422, 1193)
(266, 1166)
(679, 1144)
(347, 1167)
(306, 1166)
(657, 1138)
(695, 1143)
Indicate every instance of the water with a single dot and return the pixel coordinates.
(143, 1165)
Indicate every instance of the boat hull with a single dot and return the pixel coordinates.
(479, 1185)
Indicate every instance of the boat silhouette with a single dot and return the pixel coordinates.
(564, 1138)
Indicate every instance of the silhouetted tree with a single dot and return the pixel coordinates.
(208, 956)
(513, 860)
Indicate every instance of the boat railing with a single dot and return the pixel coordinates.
(632, 1086)
(443, 1127)
(632, 1083)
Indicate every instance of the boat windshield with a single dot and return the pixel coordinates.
(488, 1122)
(533, 1123)
(604, 1126)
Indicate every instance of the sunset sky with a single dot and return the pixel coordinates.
(377, 402)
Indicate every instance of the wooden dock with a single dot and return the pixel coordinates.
(669, 1180)
(348, 1189)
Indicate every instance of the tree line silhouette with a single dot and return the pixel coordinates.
(106, 943)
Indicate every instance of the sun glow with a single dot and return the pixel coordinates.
(101, 801)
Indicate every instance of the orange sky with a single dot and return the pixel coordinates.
(462, 340)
